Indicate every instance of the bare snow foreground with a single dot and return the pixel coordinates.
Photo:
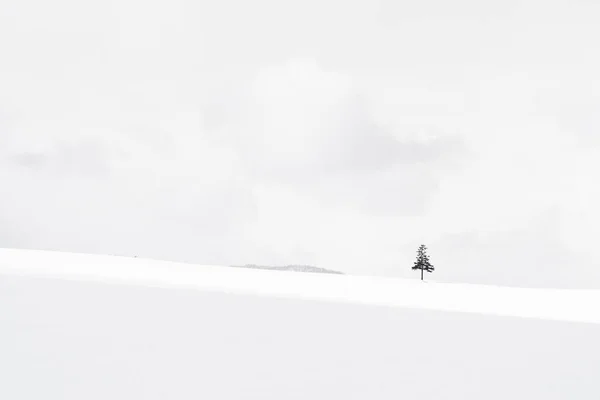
(99, 327)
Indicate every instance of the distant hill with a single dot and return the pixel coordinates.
(295, 268)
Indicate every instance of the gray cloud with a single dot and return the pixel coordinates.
(309, 129)
(30, 160)
(532, 256)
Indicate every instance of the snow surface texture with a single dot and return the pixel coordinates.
(99, 327)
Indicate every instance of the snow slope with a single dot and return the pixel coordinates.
(96, 327)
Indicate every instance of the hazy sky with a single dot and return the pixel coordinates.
(341, 134)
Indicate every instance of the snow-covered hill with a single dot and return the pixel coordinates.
(96, 327)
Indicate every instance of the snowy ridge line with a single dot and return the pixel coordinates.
(551, 304)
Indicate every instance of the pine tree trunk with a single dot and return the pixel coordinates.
(421, 273)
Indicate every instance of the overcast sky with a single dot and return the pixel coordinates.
(341, 134)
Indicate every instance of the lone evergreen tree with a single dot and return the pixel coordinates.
(422, 262)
